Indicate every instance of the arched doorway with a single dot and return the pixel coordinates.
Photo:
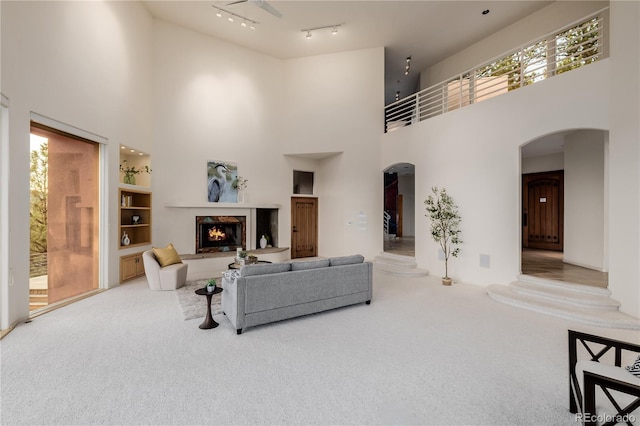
(399, 209)
(564, 207)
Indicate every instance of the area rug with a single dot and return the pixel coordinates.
(193, 305)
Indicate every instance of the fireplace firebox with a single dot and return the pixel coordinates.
(220, 233)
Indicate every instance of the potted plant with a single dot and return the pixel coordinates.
(242, 257)
(131, 172)
(211, 285)
(445, 226)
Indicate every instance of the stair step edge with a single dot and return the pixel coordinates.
(615, 319)
(576, 287)
(595, 301)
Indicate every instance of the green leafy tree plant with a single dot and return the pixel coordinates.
(39, 190)
(445, 224)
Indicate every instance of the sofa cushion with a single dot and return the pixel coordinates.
(269, 268)
(635, 367)
(309, 264)
(167, 256)
(346, 260)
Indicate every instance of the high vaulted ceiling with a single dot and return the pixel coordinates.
(428, 31)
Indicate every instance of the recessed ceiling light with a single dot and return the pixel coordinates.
(132, 150)
(486, 12)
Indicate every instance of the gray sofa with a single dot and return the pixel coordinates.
(260, 294)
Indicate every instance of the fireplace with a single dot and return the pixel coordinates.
(220, 233)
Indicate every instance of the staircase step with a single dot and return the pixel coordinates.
(565, 295)
(401, 272)
(575, 287)
(397, 261)
(586, 315)
(403, 266)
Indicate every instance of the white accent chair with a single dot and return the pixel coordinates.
(170, 277)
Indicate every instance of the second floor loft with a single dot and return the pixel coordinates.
(570, 47)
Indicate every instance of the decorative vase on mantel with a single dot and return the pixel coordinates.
(241, 195)
(263, 242)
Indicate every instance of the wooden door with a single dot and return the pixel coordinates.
(543, 210)
(304, 227)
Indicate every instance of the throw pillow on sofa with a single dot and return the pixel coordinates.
(270, 268)
(346, 260)
(167, 256)
(309, 264)
(635, 367)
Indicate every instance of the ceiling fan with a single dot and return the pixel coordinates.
(261, 4)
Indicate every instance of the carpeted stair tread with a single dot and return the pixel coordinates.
(602, 318)
(402, 266)
(401, 271)
(565, 295)
(397, 261)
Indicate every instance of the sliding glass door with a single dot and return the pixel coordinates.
(64, 216)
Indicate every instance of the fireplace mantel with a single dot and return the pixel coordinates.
(206, 204)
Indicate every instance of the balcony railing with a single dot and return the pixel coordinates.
(570, 47)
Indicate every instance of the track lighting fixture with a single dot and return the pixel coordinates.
(334, 29)
(407, 67)
(246, 22)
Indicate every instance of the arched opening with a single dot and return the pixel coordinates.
(564, 178)
(399, 209)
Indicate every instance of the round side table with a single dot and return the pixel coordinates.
(208, 319)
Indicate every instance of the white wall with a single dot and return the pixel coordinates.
(584, 195)
(85, 64)
(333, 103)
(479, 164)
(624, 157)
(407, 187)
(539, 23)
(218, 101)
(213, 101)
(543, 163)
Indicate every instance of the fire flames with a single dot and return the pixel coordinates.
(216, 235)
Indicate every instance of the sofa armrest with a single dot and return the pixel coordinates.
(151, 269)
(233, 301)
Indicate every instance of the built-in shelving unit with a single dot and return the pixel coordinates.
(135, 217)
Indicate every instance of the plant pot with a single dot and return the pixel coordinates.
(446, 281)
(211, 288)
(130, 179)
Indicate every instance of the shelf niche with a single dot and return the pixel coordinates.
(135, 203)
(130, 157)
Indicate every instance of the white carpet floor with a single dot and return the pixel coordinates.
(421, 353)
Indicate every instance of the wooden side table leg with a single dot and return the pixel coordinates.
(208, 320)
